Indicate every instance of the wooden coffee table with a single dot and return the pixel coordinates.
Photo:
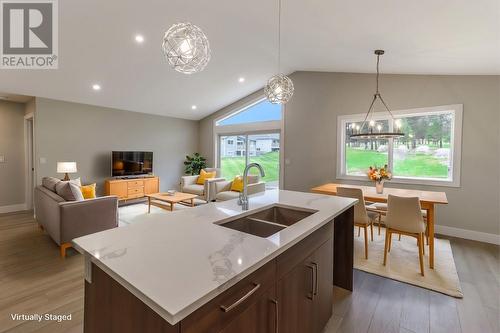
(159, 200)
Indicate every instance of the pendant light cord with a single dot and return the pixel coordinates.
(279, 36)
(377, 94)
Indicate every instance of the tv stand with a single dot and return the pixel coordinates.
(132, 188)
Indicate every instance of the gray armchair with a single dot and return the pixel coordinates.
(207, 190)
(65, 220)
(223, 188)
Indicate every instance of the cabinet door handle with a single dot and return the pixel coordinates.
(276, 316)
(313, 281)
(315, 278)
(241, 300)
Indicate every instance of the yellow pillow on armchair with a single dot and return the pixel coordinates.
(204, 175)
(88, 191)
(237, 184)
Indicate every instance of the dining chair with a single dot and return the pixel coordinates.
(404, 216)
(362, 217)
(381, 208)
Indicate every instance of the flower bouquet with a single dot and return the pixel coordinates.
(379, 175)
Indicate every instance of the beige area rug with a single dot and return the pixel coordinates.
(403, 265)
(133, 213)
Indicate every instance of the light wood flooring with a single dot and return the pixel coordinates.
(33, 279)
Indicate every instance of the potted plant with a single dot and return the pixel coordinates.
(379, 175)
(194, 164)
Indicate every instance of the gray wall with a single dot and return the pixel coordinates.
(311, 138)
(12, 148)
(87, 134)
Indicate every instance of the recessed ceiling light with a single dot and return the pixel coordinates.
(96, 87)
(193, 107)
(139, 38)
(241, 80)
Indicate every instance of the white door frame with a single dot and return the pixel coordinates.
(29, 159)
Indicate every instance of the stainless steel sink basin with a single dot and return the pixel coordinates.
(267, 222)
(282, 215)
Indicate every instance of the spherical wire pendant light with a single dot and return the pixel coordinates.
(186, 48)
(279, 88)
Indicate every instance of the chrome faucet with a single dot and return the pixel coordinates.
(243, 199)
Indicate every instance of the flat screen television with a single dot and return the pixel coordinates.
(131, 163)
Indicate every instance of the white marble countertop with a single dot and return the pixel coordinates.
(179, 261)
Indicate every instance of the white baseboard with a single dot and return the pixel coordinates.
(12, 208)
(468, 234)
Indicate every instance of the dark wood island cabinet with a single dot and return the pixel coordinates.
(291, 293)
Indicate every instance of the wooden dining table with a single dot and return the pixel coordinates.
(428, 200)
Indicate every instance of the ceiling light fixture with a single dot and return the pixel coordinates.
(193, 107)
(367, 132)
(96, 87)
(186, 48)
(241, 80)
(279, 88)
(139, 39)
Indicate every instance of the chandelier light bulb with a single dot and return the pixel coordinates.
(186, 48)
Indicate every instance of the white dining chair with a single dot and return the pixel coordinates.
(404, 216)
(381, 208)
(362, 217)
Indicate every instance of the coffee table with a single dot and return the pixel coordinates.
(158, 200)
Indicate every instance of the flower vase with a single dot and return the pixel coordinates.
(379, 187)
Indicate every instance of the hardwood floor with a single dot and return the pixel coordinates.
(33, 279)
(382, 305)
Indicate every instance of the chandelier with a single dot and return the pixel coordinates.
(279, 88)
(363, 132)
(186, 48)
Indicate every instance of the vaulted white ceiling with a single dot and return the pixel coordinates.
(96, 45)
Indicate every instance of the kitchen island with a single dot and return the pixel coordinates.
(216, 268)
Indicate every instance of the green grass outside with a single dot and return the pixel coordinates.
(416, 165)
(234, 166)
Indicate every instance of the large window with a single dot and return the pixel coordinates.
(429, 152)
(250, 134)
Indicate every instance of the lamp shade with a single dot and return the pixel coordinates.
(66, 167)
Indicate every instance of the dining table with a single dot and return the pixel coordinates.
(428, 201)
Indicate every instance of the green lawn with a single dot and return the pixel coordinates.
(234, 166)
(419, 165)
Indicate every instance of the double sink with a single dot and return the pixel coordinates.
(269, 221)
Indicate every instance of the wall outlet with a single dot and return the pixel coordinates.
(2, 159)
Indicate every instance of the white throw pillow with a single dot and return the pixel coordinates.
(69, 190)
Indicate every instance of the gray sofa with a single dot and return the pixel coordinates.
(65, 220)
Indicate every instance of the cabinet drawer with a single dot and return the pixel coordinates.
(137, 190)
(135, 183)
(135, 196)
(222, 310)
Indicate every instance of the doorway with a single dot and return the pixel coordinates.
(29, 144)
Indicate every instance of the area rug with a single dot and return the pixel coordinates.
(130, 214)
(403, 265)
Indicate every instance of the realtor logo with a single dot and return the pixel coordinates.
(29, 34)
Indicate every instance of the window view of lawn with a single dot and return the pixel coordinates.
(424, 151)
(414, 164)
(234, 166)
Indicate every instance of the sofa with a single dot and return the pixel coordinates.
(223, 188)
(64, 220)
(207, 190)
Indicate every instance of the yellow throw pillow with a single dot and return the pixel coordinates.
(204, 175)
(88, 191)
(237, 184)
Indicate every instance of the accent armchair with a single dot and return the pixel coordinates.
(207, 190)
(223, 188)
